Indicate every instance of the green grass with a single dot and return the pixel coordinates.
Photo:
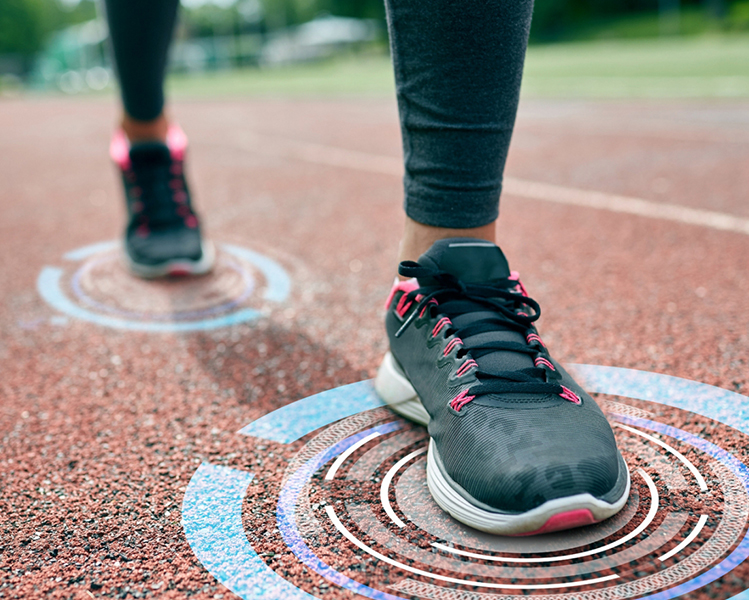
(676, 67)
(352, 75)
(707, 66)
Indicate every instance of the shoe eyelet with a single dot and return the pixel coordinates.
(441, 324)
(460, 401)
(569, 395)
(544, 363)
(451, 345)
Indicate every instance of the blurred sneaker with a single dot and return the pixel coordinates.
(162, 237)
(516, 445)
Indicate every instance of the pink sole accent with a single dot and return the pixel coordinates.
(565, 520)
(119, 149)
(401, 286)
(179, 272)
(176, 141)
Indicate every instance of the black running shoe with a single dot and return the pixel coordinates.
(516, 445)
(162, 237)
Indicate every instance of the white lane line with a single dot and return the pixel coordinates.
(654, 502)
(688, 540)
(350, 537)
(343, 456)
(388, 165)
(697, 475)
(384, 498)
(626, 204)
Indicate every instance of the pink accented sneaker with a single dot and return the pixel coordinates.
(517, 447)
(162, 237)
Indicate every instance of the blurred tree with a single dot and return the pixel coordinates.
(556, 19)
(552, 18)
(25, 25)
(361, 9)
(717, 8)
(209, 20)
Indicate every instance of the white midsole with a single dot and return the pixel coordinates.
(397, 392)
(191, 267)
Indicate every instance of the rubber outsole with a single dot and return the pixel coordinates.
(396, 391)
(173, 268)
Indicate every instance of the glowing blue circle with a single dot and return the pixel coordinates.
(49, 287)
(212, 506)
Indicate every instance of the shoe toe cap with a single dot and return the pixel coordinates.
(518, 470)
(164, 246)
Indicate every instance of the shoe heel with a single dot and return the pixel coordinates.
(392, 385)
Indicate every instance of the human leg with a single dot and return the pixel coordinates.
(458, 68)
(516, 445)
(141, 32)
(163, 234)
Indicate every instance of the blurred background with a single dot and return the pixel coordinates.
(579, 48)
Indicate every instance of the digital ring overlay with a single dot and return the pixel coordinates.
(50, 285)
(320, 504)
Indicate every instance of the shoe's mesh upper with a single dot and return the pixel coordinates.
(515, 459)
(508, 451)
(162, 225)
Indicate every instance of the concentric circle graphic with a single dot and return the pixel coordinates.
(99, 290)
(352, 510)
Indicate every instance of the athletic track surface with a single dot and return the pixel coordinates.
(122, 470)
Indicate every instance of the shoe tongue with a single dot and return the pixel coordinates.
(468, 259)
(150, 153)
(477, 261)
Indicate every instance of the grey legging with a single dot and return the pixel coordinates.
(458, 66)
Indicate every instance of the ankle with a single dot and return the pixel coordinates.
(145, 131)
(418, 238)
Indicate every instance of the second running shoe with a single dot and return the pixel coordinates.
(163, 235)
(516, 445)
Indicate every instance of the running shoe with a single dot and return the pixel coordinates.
(162, 237)
(516, 445)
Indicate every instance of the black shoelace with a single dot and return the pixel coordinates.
(511, 311)
(160, 195)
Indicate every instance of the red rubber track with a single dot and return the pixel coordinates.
(101, 429)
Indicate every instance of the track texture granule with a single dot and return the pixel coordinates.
(103, 425)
